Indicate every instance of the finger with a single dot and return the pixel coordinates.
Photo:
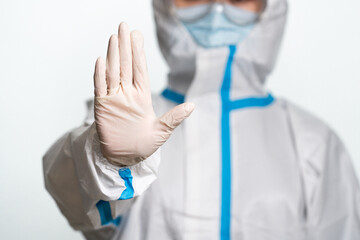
(99, 78)
(139, 62)
(177, 115)
(113, 66)
(126, 75)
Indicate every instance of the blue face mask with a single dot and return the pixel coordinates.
(215, 29)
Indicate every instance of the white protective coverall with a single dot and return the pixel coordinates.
(244, 165)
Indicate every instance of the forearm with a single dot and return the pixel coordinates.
(91, 192)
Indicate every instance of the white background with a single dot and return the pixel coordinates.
(47, 55)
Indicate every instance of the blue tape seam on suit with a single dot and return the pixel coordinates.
(225, 150)
(173, 96)
(128, 193)
(233, 105)
(104, 206)
(105, 213)
(227, 105)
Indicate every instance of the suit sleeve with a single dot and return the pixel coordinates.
(91, 193)
(332, 193)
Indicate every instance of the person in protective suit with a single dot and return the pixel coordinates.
(245, 165)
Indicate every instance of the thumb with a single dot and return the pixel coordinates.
(175, 116)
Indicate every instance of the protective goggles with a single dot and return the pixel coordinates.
(230, 8)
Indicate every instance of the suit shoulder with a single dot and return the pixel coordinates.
(310, 132)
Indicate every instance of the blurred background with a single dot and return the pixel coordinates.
(47, 55)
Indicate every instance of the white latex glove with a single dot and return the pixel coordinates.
(128, 129)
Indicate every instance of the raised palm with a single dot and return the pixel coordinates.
(128, 128)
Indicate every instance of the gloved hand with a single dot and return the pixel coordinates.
(128, 129)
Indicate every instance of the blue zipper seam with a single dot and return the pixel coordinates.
(227, 106)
